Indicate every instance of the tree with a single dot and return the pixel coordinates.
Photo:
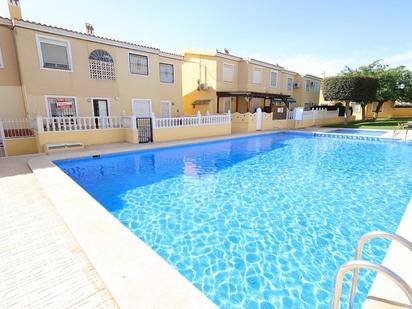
(349, 89)
(394, 83)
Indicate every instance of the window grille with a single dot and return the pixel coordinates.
(101, 65)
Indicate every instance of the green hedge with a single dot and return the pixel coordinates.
(355, 89)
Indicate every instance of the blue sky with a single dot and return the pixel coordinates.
(313, 36)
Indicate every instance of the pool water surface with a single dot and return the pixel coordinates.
(257, 222)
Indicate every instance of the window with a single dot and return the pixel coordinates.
(290, 84)
(228, 72)
(316, 86)
(1, 60)
(257, 75)
(307, 85)
(61, 106)
(54, 54)
(101, 65)
(167, 74)
(227, 102)
(138, 64)
(274, 78)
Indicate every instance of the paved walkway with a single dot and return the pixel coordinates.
(41, 264)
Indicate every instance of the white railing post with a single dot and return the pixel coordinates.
(39, 124)
(199, 117)
(154, 125)
(229, 116)
(133, 123)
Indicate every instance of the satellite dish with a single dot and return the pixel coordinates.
(226, 51)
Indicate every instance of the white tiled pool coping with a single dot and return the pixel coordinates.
(134, 274)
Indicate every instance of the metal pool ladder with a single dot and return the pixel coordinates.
(358, 263)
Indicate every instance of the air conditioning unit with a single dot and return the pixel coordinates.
(297, 85)
(203, 86)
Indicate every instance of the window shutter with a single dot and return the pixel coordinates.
(54, 56)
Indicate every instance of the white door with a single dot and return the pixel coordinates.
(100, 108)
(142, 108)
(165, 109)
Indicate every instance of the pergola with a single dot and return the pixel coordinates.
(249, 95)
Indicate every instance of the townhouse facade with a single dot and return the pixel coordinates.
(216, 82)
(53, 72)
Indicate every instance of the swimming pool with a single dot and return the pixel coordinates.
(257, 222)
(360, 132)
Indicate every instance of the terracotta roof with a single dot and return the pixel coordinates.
(97, 37)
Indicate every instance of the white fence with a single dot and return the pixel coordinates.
(299, 114)
(55, 124)
(197, 120)
(16, 128)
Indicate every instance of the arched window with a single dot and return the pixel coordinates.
(101, 65)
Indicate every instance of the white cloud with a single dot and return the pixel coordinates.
(326, 66)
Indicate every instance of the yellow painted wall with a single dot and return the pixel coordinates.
(39, 82)
(300, 94)
(388, 111)
(87, 137)
(180, 133)
(267, 121)
(283, 124)
(21, 146)
(11, 98)
(198, 69)
(243, 123)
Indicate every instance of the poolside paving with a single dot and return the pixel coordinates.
(41, 263)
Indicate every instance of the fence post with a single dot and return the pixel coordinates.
(229, 115)
(133, 124)
(153, 120)
(39, 124)
(199, 117)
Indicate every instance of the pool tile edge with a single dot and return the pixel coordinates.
(135, 275)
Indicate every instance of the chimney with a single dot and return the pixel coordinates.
(14, 9)
(89, 29)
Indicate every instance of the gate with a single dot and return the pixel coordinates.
(144, 127)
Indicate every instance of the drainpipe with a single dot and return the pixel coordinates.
(19, 69)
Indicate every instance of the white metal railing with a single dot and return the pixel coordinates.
(198, 120)
(15, 128)
(55, 124)
(314, 114)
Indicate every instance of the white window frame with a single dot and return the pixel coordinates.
(140, 99)
(55, 41)
(257, 69)
(223, 72)
(138, 54)
(277, 78)
(169, 63)
(1, 60)
(100, 98)
(291, 84)
(46, 101)
(170, 106)
(307, 82)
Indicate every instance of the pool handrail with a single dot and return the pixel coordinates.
(358, 255)
(356, 265)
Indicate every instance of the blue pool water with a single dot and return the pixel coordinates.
(259, 222)
(360, 132)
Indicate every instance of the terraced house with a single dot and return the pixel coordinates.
(216, 82)
(58, 87)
